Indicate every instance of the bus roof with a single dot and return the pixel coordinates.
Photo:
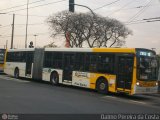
(126, 50)
(25, 49)
(114, 50)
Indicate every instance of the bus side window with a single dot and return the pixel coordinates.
(48, 61)
(91, 62)
(79, 61)
(105, 63)
(23, 56)
(57, 60)
(9, 57)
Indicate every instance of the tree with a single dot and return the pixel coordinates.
(51, 45)
(158, 58)
(84, 28)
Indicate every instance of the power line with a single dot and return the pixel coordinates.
(33, 24)
(142, 21)
(106, 5)
(30, 24)
(37, 6)
(5, 31)
(31, 15)
(6, 26)
(94, 9)
(152, 18)
(20, 5)
(122, 7)
(145, 19)
(139, 12)
(137, 7)
(4, 36)
(28, 15)
(135, 23)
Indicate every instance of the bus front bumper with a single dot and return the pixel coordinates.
(145, 90)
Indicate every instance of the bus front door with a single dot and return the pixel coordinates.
(68, 63)
(124, 73)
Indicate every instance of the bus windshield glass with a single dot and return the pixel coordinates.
(147, 64)
(148, 68)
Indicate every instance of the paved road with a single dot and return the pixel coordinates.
(26, 96)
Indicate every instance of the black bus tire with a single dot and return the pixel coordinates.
(102, 86)
(54, 78)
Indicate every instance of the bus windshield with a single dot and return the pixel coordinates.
(147, 68)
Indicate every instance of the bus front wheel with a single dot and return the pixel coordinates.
(16, 73)
(54, 78)
(102, 86)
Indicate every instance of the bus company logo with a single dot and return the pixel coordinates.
(4, 116)
(81, 74)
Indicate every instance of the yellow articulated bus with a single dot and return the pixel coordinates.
(2, 59)
(127, 70)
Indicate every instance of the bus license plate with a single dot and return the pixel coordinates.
(148, 89)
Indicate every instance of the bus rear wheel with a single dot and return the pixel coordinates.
(54, 78)
(16, 73)
(102, 86)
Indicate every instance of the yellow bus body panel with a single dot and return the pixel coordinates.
(134, 78)
(115, 50)
(111, 79)
(112, 87)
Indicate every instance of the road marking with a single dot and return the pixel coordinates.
(137, 102)
(13, 79)
(124, 100)
(109, 97)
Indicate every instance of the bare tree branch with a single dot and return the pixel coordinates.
(96, 31)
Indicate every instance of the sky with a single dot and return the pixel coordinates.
(130, 12)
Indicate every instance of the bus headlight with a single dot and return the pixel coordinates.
(137, 83)
(156, 83)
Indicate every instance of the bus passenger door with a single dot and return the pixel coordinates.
(29, 61)
(68, 64)
(124, 72)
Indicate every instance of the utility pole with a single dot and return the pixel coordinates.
(26, 25)
(35, 39)
(12, 32)
(6, 44)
